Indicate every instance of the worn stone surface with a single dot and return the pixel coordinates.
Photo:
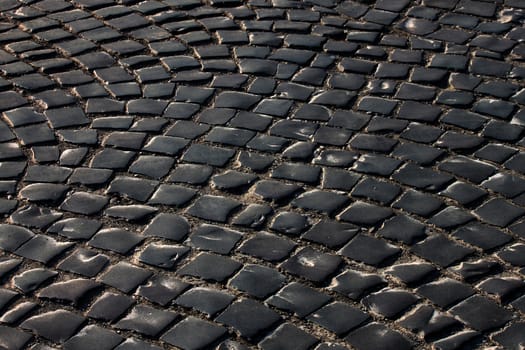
(225, 174)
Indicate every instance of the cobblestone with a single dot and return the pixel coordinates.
(220, 174)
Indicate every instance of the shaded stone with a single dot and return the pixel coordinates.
(206, 300)
(389, 302)
(475, 312)
(70, 291)
(312, 264)
(377, 336)
(162, 289)
(248, 317)
(214, 208)
(125, 276)
(56, 325)
(193, 333)
(210, 267)
(146, 320)
(84, 203)
(267, 246)
(214, 238)
(116, 239)
(339, 317)
(110, 306)
(93, 336)
(258, 281)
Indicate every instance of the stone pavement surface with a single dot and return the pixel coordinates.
(272, 174)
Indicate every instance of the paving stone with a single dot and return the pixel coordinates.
(22, 116)
(483, 236)
(363, 213)
(470, 311)
(289, 223)
(331, 233)
(14, 236)
(11, 99)
(125, 276)
(330, 346)
(463, 192)
(312, 264)
(193, 333)
(134, 212)
(200, 267)
(146, 320)
(169, 226)
(267, 246)
(330, 317)
(376, 336)
(369, 250)
(441, 250)
(498, 212)
(380, 191)
(389, 302)
(30, 280)
(134, 188)
(110, 306)
(90, 176)
(42, 248)
(372, 143)
(163, 255)
(33, 216)
(191, 173)
(253, 216)
(248, 317)
(112, 159)
(258, 281)
(502, 288)
(467, 168)
(56, 326)
(115, 239)
(418, 203)
(354, 284)
(206, 300)
(91, 336)
(135, 344)
(511, 337)
(209, 155)
(288, 336)
(475, 269)
(382, 124)
(428, 321)
(84, 262)
(8, 265)
(512, 254)
(445, 292)
(410, 273)
(376, 165)
(18, 312)
(299, 299)
(153, 166)
(34, 134)
(451, 217)
(456, 340)
(214, 238)
(7, 296)
(70, 291)
(214, 208)
(162, 289)
(84, 203)
(420, 177)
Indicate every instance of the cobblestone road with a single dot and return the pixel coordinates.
(273, 174)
